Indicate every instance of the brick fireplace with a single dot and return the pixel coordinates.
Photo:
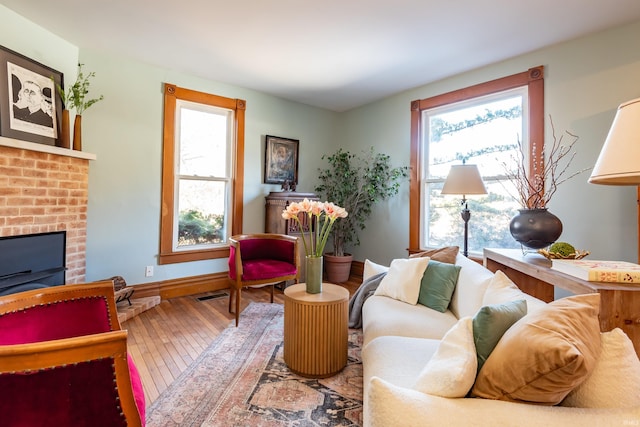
(42, 189)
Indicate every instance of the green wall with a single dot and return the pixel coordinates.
(585, 81)
(125, 132)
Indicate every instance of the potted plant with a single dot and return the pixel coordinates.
(355, 182)
(76, 97)
(534, 226)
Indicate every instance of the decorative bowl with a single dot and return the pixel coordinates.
(552, 255)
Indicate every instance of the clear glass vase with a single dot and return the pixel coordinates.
(314, 274)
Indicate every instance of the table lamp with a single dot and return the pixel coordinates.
(465, 180)
(619, 160)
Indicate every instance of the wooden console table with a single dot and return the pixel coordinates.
(619, 303)
(316, 331)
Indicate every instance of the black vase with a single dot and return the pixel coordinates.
(535, 228)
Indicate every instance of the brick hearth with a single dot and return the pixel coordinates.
(42, 192)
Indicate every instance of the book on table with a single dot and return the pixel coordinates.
(599, 271)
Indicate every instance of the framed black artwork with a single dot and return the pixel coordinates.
(30, 109)
(280, 160)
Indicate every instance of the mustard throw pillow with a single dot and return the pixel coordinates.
(544, 355)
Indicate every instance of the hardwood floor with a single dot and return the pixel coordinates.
(166, 339)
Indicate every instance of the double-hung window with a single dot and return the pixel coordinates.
(202, 164)
(480, 125)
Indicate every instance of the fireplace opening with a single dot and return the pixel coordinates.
(32, 261)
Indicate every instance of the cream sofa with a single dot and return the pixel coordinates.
(399, 340)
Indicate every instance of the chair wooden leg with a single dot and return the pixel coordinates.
(238, 293)
(272, 288)
(231, 292)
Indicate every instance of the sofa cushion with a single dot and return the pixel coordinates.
(452, 369)
(501, 289)
(402, 281)
(491, 322)
(472, 283)
(382, 316)
(397, 359)
(615, 380)
(371, 269)
(387, 404)
(446, 254)
(437, 285)
(544, 355)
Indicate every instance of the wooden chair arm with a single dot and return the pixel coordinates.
(44, 355)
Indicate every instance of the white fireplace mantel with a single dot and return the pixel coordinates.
(26, 145)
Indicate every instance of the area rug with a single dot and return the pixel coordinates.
(241, 380)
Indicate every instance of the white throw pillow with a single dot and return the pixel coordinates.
(501, 289)
(451, 371)
(615, 380)
(371, 269)
(402, 281)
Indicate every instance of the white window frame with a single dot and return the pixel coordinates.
(227, 179)
(426, 180)
(533, 78)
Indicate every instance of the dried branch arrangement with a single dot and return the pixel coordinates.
(532, 193)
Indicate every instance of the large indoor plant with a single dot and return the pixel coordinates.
(534, 226)
(355, 182)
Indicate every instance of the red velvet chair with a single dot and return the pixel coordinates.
(64, 360)
(261, 259)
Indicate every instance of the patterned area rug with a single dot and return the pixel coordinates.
(242, 380)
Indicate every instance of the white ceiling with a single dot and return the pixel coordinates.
(334, 54)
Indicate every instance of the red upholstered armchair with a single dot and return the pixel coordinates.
(64, 361)
(261, 259)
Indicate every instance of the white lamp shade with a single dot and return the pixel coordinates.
(619, 161)
(465, 180)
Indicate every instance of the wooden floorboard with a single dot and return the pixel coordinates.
(164, 340)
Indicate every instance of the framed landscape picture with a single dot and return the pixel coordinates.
(281, 160)
(30, 109)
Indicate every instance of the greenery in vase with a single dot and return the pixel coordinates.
(551, 171)
(76, 95)
(357, 183)
(325, 215)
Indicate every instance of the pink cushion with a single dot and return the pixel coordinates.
(64, 319)
(263, 259)
(261, 269)
(81, 394)
(267, 248)
(138, 390)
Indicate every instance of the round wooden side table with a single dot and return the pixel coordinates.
(316, 330)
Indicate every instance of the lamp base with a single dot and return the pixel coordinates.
(466, 216)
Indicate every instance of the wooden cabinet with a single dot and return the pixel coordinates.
(619, 303)
(276, 202)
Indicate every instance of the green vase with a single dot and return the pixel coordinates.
(314, 274)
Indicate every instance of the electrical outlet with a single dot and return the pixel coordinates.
(148, 271)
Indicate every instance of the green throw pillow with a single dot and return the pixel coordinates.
(491, 322)
(437, 285)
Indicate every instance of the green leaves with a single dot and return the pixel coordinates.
(356, 183)
(76, 95)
